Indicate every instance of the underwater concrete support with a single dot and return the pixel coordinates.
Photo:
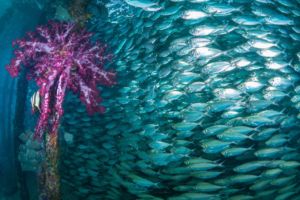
(49, 177)
(22, 88)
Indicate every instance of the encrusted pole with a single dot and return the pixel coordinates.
(49, 177)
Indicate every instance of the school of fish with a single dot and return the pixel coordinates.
(206, 106)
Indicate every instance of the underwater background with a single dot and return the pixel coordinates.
(206, 104)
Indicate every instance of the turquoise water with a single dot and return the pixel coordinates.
(206, 104)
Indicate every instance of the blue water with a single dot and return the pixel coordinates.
(153, 142)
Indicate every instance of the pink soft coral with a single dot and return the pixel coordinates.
(61, 56)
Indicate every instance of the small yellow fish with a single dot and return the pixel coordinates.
(35, 101)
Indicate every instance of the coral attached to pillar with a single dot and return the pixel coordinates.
(61, 56)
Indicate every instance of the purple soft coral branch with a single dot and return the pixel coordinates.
(60, 95)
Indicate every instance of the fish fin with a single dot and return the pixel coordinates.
(251, 136)
(207, 114)
(284, 109)
(251, 147)
(221, 164)
(275, 104)
(291, 61)
(241, 9)
(213, 17)
(201, 123)
(258, 127)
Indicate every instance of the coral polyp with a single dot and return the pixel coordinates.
(61, 56)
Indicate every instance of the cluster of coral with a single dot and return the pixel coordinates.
(60, 56)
